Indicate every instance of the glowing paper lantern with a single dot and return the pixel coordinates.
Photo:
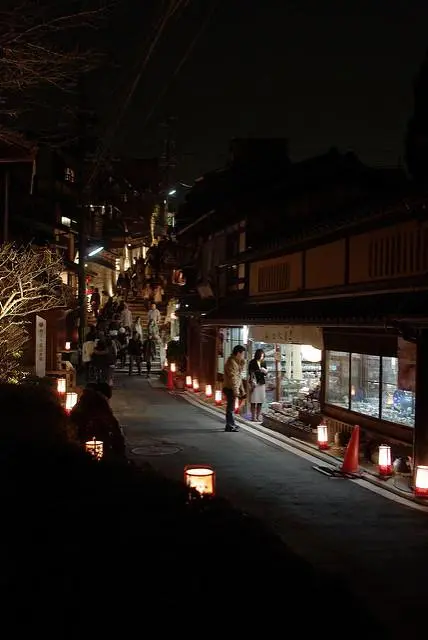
(195, 385)
(61, 385)
(68, 345)
(385, 463)
(208, 391)
(322, 436)
(201, 478)
(218, 397)
(189, 382)
(70, 400)
(421, 481)
(173, 367)
(310, 353)
(166, 364)
(95, 448)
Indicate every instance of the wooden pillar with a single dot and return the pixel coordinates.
(420, 434)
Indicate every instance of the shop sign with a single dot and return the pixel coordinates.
(40, 347)
(406, 365)
(288, 334)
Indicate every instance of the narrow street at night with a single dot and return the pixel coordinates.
(365, 540)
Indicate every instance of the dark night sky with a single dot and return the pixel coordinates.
(320, 73)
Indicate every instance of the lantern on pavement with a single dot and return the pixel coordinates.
(218, 397)
(61, 385)
(208, 391)
(385, 463)
(173, 367)
(322, 436)
(201, 478)
(195, 385)
(70, 400)
(95, 448)
(237, 405)
(421, 481)
(189, 382)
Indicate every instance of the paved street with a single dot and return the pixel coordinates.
(378, 547)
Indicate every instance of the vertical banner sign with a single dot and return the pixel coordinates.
(40, 347)
(406, 365)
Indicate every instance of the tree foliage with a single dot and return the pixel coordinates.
(30, 283)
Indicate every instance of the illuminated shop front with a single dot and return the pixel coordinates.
(374, 379)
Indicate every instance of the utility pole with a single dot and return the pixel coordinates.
(168, 164)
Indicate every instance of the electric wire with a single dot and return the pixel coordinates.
(171, 10)
(182, 62)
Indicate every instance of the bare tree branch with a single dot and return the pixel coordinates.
(30, 283)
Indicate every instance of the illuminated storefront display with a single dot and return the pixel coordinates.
(369, 385)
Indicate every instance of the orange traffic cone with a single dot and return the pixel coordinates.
(352, 458)
(170, 381)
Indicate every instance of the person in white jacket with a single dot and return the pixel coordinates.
(87, 351)
(126, 317)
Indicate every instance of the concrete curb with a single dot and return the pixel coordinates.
(309, 452)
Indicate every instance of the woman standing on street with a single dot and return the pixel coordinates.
(257, 379)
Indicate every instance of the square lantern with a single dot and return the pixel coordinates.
(95, 448)
(385, 462)
(70, 400)
(218, 397)
(208, 391)
(322, 436)
(189, 382)
(173, 367)
(68, 345)
(201, 478)
(421, 481)
(61, 385)
(195, 385)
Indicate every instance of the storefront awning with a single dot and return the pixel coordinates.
(367, 310)
(287, 334)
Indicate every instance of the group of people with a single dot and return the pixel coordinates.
(235, 387)
(117, 337)
(142, 279)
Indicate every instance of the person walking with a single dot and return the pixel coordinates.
(149, 353)
(126, 316)
(154, 315)
(233, 386)
(257, 382)
(135, 349)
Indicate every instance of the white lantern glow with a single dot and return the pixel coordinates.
(201, 478)
(322, 436)
(61, 385)
(68, 345)
(70, 400)
(237, 405)
(421, 481)
(208, 391)
(95, 448)
(195, 385)
(385, 463)
(173, 367)
(218, 397)
(189, 382)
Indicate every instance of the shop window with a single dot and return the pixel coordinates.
(337, 387)
(398, 405)
(365, 384)
(369, 385)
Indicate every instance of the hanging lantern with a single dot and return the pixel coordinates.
(195, 385)
(218, 397)
(322, 436)
(208, 391)
(237, 405)
(95, 448)
(385, 463)
(189, 382)
(70, 400)
(421, 481)
(201, 478)
(61, 385)
(173, 367)
(68, 345)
